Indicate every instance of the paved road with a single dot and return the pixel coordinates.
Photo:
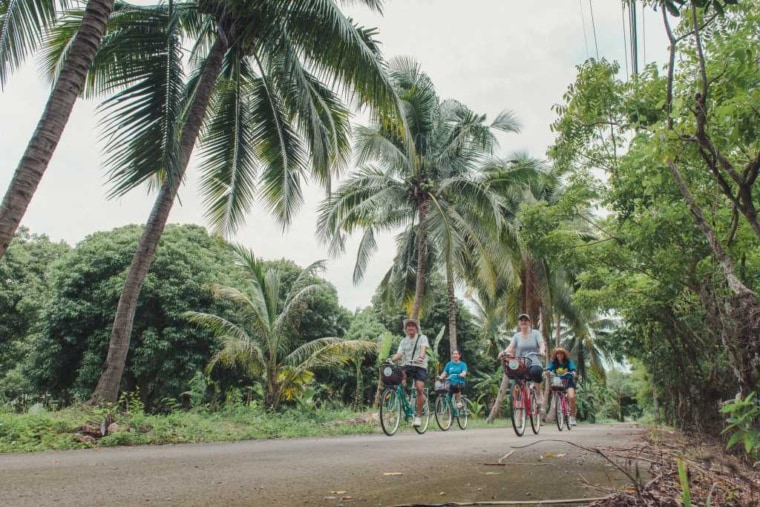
(434, 468)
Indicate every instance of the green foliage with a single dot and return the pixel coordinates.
(261, 338)
(58, 430)
(683, 477)
(165, 353)
(23, 293)
(651, 266)
(743, 424)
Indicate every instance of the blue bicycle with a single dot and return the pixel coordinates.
(446, 409)
(395, 403)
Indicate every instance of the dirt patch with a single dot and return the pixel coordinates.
(713, 476)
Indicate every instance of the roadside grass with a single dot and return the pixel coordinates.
(78, 427)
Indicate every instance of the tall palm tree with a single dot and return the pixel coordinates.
(23, 25)
(414, 186)
(270, 119)
(262, 340)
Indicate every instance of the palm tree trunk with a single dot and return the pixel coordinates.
(499, 399)
(49, 129)
(107, 389)
(359, 394)
(419, 288)
(452, 308)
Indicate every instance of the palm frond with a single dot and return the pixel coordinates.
(23, 25)
(229, 165)
(280, 150)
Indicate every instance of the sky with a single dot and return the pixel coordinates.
(491, 55)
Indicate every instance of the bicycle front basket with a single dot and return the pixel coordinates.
(441, 386)
(559, 383)
(516, 367)
(391, 374)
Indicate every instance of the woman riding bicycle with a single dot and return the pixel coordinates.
(524, 342)
(562, 365)
(455, 370)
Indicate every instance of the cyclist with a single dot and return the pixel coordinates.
(411, 351)
(561, 364)
(456, 370)
(527, 340)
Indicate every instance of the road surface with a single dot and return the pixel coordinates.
(430, 469)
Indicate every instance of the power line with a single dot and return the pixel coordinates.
(593, 25)
(583, 25)
(625, 42)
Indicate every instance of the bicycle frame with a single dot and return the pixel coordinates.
(395, 403)
(561, 406)
(446, 410)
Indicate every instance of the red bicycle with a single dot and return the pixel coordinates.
(561, 403)
(523, 394)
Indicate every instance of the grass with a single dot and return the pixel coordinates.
(67, 428)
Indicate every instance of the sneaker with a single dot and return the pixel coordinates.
(417, 422)
(572, 421)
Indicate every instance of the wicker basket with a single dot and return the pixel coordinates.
(559, 383)
(391, 374)
(516, 367)
(441, 386)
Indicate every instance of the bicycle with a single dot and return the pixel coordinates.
(523, 394)
(561, 403)
(445, 408)
(395, 402)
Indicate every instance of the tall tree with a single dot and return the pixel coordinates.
(417, 186)
(23, 25)
(272, 119)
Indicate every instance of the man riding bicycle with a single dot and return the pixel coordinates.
(411, 352)
(562, 365)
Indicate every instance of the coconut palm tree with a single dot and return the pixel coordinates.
(261, 341)
(23, 25)
(414, 186)
(259, 86)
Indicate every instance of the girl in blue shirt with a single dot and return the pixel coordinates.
(561, 364)
(456, 371)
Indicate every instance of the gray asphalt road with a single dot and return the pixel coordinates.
(434, 468)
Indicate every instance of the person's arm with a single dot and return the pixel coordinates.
(399, 352)
(510, 350)
(550, 366)
(421, 357)
(463, 374)
(445, 371)
(541, 345)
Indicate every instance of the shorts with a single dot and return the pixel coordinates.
(456, 388)
(416, 372)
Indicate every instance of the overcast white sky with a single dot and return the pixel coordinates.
(489, 54)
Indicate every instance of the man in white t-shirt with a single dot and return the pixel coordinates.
(411, 352)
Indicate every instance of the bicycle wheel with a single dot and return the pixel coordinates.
(535, 412)
(559, 410)
(566, 406)
(518, 410)
(425, 415)
(463, 414)
(442, 413)
(390, 411)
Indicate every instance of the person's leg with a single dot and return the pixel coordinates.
(420, 385)
(457, 390)
(571, 397)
